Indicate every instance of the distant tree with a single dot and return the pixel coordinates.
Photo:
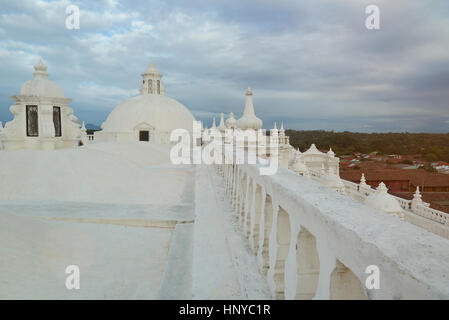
(430, 147)
(431, 157)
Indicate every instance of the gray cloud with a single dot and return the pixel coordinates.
(312, 63)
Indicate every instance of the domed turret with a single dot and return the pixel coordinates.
(40, 85)
(50, 123)
(384, 201)
(150, 116)
(249, 119)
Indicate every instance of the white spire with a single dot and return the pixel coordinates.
(249, 107)
(362, 179)
(249, 119)
(282, 126)
(417, 195)
(83, 128)
(417, 199)
(222, 126)
(214, 126)
(275, 126)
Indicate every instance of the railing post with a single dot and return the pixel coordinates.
(327, 265)
(290, 273)
(249, 209)
(237, 189)
(262, 226)
(272, 249)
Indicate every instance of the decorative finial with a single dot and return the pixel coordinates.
(249, 92)
(417, 198)
(417, 191)
(40, 70)
(382, 188)
(222, 126)
(151, 69)
(275, 126)
(231, 122)
(362, 179)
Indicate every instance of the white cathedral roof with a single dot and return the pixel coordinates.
(40, 85)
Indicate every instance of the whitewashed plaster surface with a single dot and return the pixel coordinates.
(83, 207)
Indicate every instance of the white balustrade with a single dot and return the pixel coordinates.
(314, 243)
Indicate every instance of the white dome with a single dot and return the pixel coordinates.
(42, 88)
(40, 85)
(249, 122)
(383, 201)
(161, 112)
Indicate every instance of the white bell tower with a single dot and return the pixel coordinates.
(152, 81)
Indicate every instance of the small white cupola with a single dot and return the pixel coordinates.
(152, 81)
(231, 123)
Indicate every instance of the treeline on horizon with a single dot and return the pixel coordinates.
(429, 146)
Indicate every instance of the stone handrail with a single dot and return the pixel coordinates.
(432, 214)
(354, 190)
(312, 242)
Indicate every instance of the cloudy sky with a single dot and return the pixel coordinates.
(311, 63)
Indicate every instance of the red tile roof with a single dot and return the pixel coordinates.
(416, 177)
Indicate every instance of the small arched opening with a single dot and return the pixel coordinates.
(345, 285)
(307, 264)
(283, 245)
